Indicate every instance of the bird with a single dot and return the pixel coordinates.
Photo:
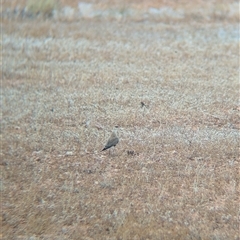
(112, 141)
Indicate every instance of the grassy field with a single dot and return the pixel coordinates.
(172, 88)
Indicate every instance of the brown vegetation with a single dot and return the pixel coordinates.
(171, 87)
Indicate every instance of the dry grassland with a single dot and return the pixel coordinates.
(175, 171)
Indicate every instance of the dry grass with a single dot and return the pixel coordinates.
(174, 173)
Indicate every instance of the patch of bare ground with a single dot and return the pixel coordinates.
(173, 90)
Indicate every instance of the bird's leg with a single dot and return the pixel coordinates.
(113, 151)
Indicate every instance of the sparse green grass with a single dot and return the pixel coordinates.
(44, 7)
(65, 86)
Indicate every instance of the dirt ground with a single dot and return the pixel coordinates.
(167, 74)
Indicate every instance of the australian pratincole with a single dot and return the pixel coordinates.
(112, 141)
